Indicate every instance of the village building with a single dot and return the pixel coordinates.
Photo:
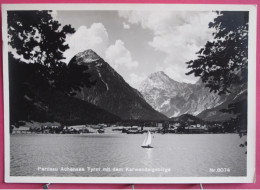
(46, 131)
(196, 129)
(21, 130)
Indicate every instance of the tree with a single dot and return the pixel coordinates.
(38, 71)
(25, 87)
(39, 39)
(223, 62)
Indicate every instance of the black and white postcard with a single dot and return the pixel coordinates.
(129, 93)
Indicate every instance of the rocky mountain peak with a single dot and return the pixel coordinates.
(160, 75)
(174, 98)
(87, 56)
(158, 80)
(157, 74)
(111, 92)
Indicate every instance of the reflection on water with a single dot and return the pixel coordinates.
(149, 153)
(183, 154)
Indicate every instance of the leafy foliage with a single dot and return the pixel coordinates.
(39, 41)
(240, 108)
(37, 37)
(32, 99)
(223, 62)
(25, 89)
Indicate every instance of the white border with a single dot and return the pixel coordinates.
(250, 178)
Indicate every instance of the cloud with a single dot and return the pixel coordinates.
(177, 34)
(95, 37)
(119, 56)
(126, 26)
(135, 80)
(54, 14)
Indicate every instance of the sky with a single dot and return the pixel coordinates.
(138, 43)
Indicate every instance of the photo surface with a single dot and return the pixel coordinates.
(141, 93)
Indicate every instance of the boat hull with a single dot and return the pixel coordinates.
(147, 146)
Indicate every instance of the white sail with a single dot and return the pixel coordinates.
(148, 139)
(145, 139)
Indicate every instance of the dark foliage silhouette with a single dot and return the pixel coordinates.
(39, 39)
(223, 62)
(36, 67)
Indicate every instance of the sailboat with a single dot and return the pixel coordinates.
(147, 141)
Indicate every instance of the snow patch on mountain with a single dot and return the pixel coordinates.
(89, 56)
(174, 98)
(175, 114)
(111, 92)
(100, 76)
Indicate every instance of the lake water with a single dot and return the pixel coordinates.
(179, 155)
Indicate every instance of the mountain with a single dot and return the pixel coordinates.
(74, 111)
(32, 100)
(68, 111)
(111, 92)
(159, 90)
(239, 97)
(174, 98)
